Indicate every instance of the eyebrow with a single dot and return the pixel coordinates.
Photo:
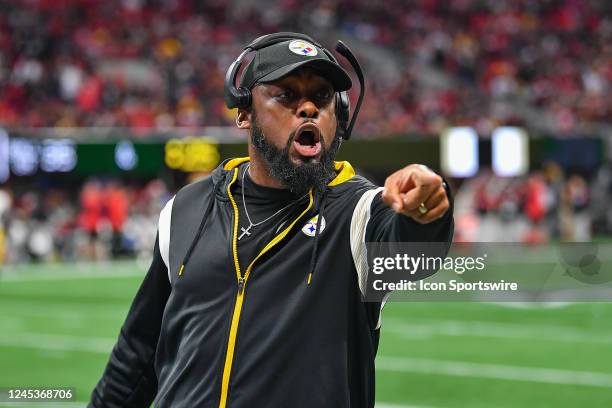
(307, 73)
(320, 84)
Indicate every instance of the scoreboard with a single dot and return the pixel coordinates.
(24, 157)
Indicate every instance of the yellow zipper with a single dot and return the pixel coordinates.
(242, 280)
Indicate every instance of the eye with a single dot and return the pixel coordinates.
(286, 94)
(324, 95)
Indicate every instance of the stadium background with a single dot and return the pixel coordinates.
(108, 107)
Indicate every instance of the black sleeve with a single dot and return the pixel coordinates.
(386, 225)
(129, 378)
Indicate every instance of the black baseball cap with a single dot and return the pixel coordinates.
(278, 60)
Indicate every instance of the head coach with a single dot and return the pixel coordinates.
(255, 294)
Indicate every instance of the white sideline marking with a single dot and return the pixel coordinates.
(494, 371)
(399, 364)
(22, 310)
(43, 309)
(46, 276)
(58, 342)
(70, 270)
(458, 328)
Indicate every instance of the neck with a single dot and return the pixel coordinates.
(260, 173)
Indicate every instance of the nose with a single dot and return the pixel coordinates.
(308, 109)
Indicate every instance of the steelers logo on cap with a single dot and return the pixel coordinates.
(303, 48)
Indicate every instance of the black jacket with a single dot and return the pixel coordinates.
(206, 332)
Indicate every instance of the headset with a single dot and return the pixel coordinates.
(241, 97)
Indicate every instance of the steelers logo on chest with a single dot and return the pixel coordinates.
(310, 228)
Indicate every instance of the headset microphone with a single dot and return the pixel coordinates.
(348, 54)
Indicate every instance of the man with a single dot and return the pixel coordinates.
(255, 294)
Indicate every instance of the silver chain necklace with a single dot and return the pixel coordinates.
(247, 231)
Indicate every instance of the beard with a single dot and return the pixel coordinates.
(297, 178)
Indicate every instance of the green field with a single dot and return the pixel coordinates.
(59, 322)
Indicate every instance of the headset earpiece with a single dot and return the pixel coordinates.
(236, 97)
(343, 109)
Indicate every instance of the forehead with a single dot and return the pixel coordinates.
(303, 76)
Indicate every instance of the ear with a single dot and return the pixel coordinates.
(243, 120)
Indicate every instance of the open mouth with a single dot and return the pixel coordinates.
(307, 141)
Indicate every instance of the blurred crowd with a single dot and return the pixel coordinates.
(103, 220)
(545, 205)
(546, 64)
(157, 64)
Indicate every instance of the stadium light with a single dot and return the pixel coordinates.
(58, 155)
(23, 157)
(126, 157)
(510, 151)
(459, 152)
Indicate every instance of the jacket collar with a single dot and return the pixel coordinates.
(344, 170)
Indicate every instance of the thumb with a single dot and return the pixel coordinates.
(391, 194)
